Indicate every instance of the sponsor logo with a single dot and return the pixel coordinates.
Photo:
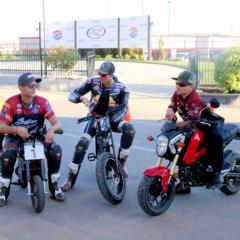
(96, 32)
(133, 32)
(57, 34)
(35, 109)
(29, 123)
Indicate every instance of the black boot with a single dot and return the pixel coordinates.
(183, 188)
(217, 181)
(58, 194)
(3, 200)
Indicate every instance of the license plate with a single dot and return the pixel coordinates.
(33, 153)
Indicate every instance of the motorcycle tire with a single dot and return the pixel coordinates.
(151, 198)
(110, 180)
(231, 185)
(37, 194)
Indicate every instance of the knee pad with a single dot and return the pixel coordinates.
(129, 130)
(8, 158)
(55, 152)
(82, 145)
(55, 177)
(73, 167)
(4, 182)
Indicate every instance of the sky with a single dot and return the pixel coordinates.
(19, 18)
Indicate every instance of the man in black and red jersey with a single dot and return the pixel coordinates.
(19, 115)
(107, 93)
(187, 102)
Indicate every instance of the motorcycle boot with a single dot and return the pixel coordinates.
(58, 193)
(73, 169)
(183, 188)
(122, 157)
(4, 184)
(218, 180)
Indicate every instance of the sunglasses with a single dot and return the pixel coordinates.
(182, 84)
(102, 75)
(32, 86)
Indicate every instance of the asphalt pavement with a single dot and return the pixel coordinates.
(204, 214)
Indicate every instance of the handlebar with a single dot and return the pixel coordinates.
(83, 119)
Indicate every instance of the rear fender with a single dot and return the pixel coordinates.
(160, 171)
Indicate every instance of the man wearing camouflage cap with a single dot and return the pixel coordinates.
(188, 103)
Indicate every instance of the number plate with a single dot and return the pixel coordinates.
(33, 153)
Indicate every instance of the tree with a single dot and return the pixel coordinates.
(227, 70)
(62, 58)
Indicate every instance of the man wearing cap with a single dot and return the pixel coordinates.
(107, 92)
(187, 102)
(21, 114)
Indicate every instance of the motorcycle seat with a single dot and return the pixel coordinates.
(230, 131)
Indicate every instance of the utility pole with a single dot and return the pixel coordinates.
(169, 16)
(44, 26)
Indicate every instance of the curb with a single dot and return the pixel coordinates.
(226, 99)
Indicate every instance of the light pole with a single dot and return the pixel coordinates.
(169, 16)
(44, 26)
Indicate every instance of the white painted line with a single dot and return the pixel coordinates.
(135, 147)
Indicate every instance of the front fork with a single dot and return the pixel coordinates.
(172, 174)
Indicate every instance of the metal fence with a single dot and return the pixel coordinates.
(202, 63)
(15, 63)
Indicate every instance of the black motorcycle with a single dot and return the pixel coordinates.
(31, 170)
(109, 173)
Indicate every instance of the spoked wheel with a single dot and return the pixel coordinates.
(38, 194)
(110, 180)
(151, 198)
(232, 181)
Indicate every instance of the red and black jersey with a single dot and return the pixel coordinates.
(188, 108)
(15, 112)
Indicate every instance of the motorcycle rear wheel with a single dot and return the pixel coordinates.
(38, 194)
(231, 184)
(110, 181)
(151, 198)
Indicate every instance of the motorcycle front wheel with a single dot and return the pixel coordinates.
(151, 197)
(37, 194)
(110, 178)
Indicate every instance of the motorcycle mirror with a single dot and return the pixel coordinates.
(150, 138)
(214, 103)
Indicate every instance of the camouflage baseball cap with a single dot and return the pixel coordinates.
(187, 77)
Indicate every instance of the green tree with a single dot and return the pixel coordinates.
(62, 58)
(227, 70)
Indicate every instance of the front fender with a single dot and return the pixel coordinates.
(160, 171)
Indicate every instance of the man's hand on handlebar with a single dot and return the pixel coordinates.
(49, 135)
(22, 132)
(170, 115)
(85, 101)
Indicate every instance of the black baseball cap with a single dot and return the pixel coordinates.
(107, 68)
(27, 78)
(187, 77)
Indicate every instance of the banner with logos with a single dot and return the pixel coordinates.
(134, 32)
(101, 33)
(58, 34)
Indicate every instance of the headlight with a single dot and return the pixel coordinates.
(162, 144)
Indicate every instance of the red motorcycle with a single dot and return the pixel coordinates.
(185, 153)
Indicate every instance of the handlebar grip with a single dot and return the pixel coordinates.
(59, 131)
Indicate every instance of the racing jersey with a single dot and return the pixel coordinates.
(188, 108)
(118, 94)
(15, 112)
